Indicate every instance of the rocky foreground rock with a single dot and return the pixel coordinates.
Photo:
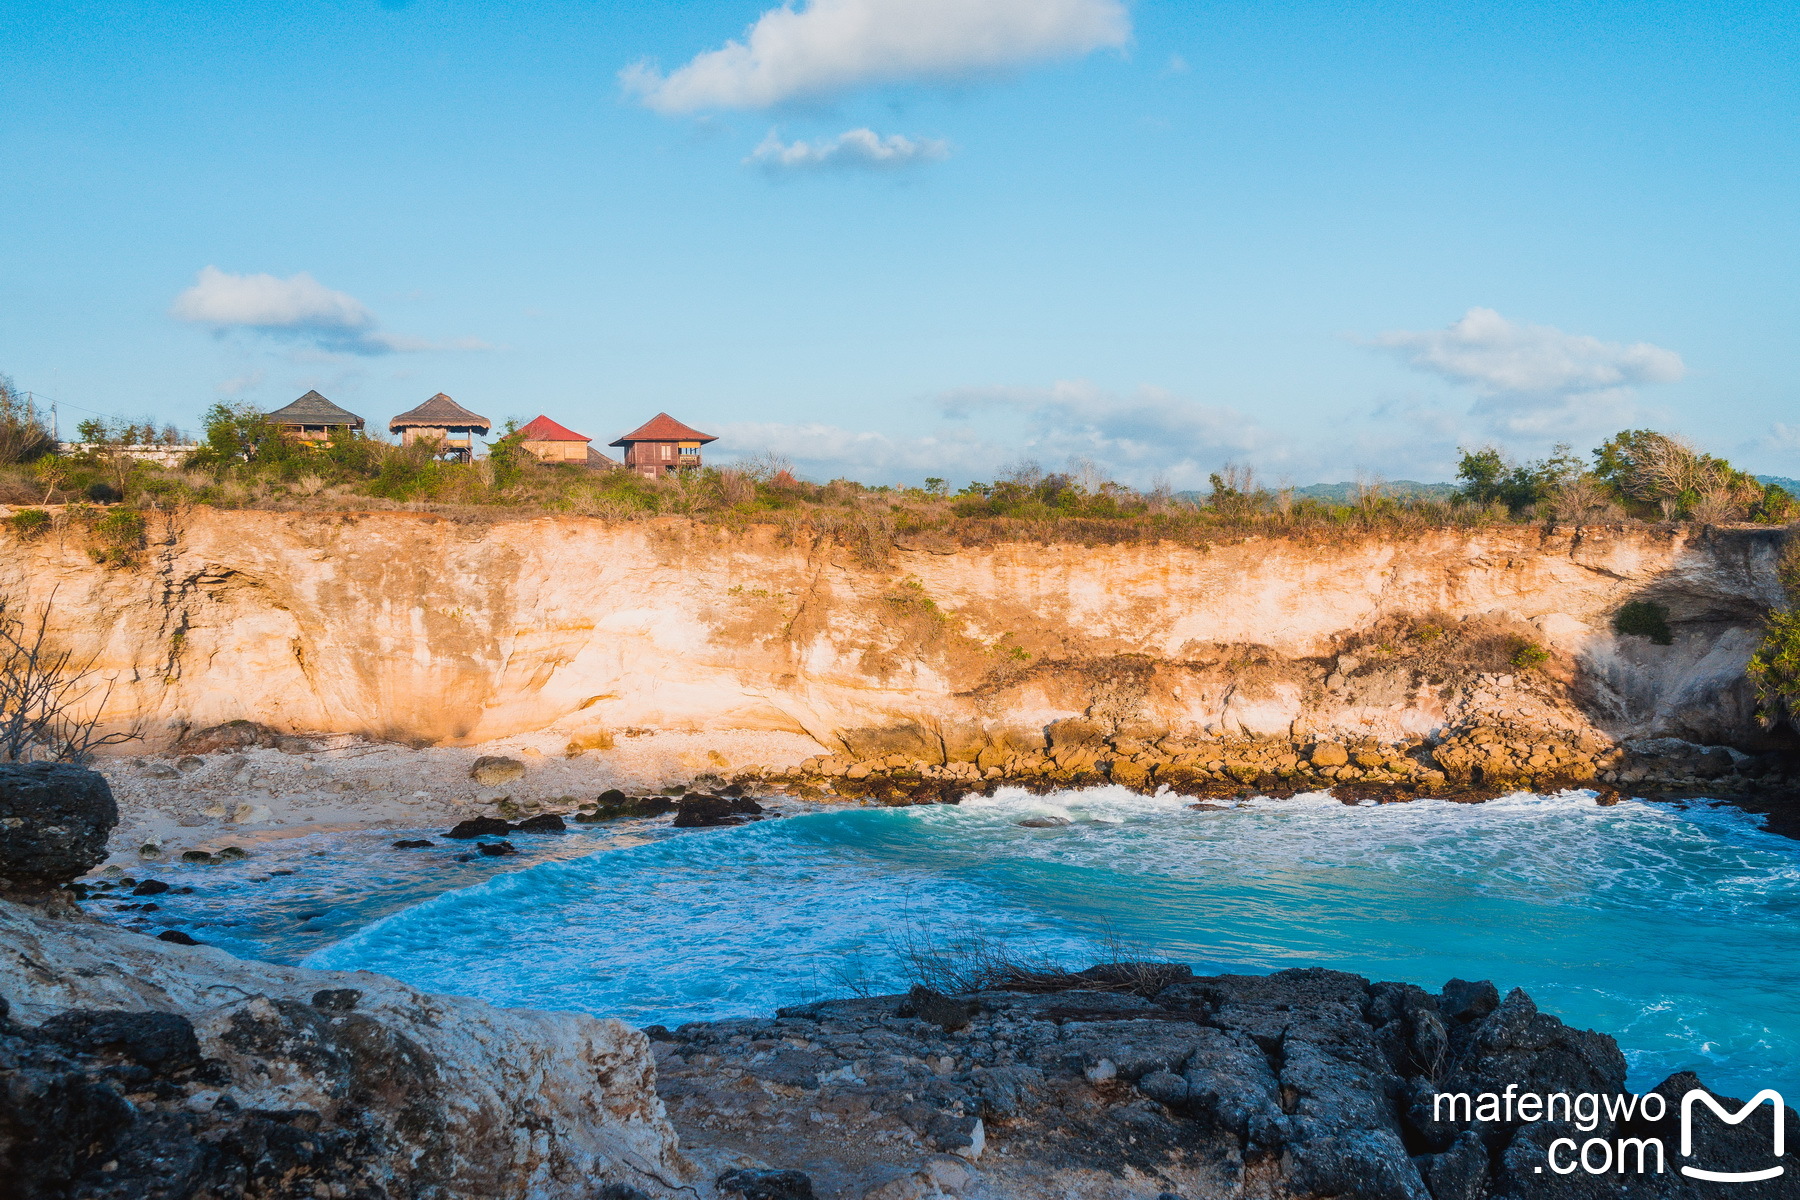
(138, 1069)
(1142, 1081)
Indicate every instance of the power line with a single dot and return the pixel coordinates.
(55, 404)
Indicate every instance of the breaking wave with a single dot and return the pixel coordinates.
(1675, 929)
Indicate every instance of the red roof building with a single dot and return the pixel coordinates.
(662, 445)
(554, 443)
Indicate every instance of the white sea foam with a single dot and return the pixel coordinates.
(1674, 928)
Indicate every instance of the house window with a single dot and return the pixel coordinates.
(667, 451)
(688, 451)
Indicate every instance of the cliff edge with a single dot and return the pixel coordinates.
(426, 630)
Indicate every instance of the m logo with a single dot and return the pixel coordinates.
(1687, 1134)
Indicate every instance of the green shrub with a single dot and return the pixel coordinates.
(1527, 655)
(29, 523)
(117, 537)
(1777, 506)
(1775, 667)
(1645, 619)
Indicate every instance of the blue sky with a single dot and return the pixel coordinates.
(900, 238)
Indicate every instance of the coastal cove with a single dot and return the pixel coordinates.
(1671, 926)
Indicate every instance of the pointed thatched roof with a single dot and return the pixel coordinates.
(314, 409)
(664, 428)
(440, 412)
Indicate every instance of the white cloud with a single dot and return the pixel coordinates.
(1781, 437)
(822, 451)
(832, 46)
(265, 302)
(1147, 432)
(299, 308)
(1536, 378)
(237, 385)
(1138, 438)
(862, 148)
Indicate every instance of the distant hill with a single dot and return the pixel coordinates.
(1343, 493)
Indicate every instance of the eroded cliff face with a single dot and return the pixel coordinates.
(429, 630)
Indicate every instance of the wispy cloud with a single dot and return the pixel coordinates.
(862, 149)
(1536, 378)
(1781, 438)
(298, 309)
(1144, 436)
(237, 385)
(1149, 430)
(828, 47)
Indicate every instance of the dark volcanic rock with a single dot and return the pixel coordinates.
(544, 823)
(1300, 1085)
(947, 1013)
(614, 805)
(176, 937)
(239, 1089)
(160, 1041)
(54, 821)
(97, 1106)
(476, 827)
(766, 1185)
(1465, 1001)
(705, 810)
(1140, 978)
(150, 887)
(413, 843)
(496, 849)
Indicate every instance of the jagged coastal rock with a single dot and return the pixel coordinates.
(133, 1068)
(54, 822)
(1139, 1081)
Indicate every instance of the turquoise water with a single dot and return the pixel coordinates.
(1673, 929)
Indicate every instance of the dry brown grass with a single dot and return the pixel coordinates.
(1441, 649)
(972, 960)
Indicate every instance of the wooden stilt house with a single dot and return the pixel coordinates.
(662, 445)
(313, 418)
(444, 421)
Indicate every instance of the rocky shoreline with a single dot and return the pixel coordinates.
(1471, 764)
(1141, 1080)
(243, 782)
(139, 1068)
(136, 1067)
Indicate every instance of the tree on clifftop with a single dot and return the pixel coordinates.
(23, 437)
(1488, 477)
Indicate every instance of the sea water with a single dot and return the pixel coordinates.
(1673, 928)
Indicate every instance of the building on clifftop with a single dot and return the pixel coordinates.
(313, 418)
(662, 445)
(442, 420)
(553, 443)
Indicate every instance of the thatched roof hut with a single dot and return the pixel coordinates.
(441, 413)
(313, 417)
(442, 420)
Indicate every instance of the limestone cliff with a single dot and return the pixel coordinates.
(425, 629)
